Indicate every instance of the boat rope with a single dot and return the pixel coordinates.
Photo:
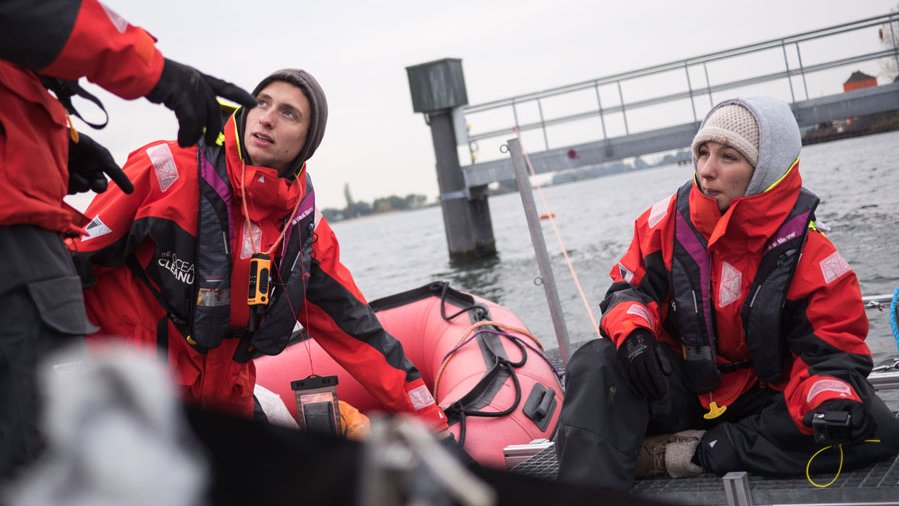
(808, 466)
(894, 311)
(480, 312)
(468, 334)
(552, 221)
(460, 409)
(474, 336)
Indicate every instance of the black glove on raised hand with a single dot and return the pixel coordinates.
(860, 425)
(191, 94)
(646, 369)
(88, 162)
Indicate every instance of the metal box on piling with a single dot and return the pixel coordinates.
(437, 85)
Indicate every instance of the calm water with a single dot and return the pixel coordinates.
(856, 179)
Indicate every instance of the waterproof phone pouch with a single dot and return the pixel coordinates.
(317, 405)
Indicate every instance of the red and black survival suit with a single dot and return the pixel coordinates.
(172, 267)
(763, 321)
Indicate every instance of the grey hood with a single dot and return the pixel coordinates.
(779, 139)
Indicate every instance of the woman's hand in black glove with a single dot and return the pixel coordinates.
(645, 367)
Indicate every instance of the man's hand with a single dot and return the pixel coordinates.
(860, 425)
(88, 162)
(191, 94)
(646, 369)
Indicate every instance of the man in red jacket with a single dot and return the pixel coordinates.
(48, 44)
(174, 260)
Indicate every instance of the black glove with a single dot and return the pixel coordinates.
(88, 162)
(860, 425)
(191, 94)
(644, 366)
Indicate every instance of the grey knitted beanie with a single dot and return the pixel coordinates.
(734, 126)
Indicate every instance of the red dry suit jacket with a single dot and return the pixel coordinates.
(161, 216)
(65, 39)
(824, 318)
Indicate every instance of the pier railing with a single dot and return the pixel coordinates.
(674, 95)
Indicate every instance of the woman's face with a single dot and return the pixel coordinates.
(723, 173)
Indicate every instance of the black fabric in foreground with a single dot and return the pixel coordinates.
(257, 463)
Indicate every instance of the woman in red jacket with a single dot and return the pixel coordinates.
(732, 322)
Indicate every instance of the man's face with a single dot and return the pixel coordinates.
(276, 128)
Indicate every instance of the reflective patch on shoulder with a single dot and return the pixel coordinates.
(120, 23)
(638, 310)
(834, 266)
(625, 273)
(828, 385)
(95, 229)
(729, 287)
(421, 397)
(317, 217)
(659, 211)
(163, 165)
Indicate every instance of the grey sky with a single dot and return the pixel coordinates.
(358, 52)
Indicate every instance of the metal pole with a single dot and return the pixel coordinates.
(542, 124)
(515, 113)
(602, 119)
(546, 272)
(736, 489)
(802, 71)
(690, 89)
(623, 111)
(708, 84)
(789, 79)
(893, 40)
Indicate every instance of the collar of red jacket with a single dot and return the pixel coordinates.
(751, 220)
(268, 196)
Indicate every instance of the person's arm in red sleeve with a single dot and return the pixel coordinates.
(110, 236)
(639, 280)
(339, 318)
(827, 331)
(71, 39)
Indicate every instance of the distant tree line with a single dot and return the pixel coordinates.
(355, 209)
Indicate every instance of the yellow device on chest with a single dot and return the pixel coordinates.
(260, 277)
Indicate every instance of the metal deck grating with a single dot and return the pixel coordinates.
(877, 483)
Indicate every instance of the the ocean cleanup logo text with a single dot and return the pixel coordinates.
(182, 270)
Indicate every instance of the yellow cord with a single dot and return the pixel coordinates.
(808, 466)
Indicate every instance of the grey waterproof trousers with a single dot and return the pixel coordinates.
(603, 424)
(41, 308)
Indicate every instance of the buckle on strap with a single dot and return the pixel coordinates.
(733, 366)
